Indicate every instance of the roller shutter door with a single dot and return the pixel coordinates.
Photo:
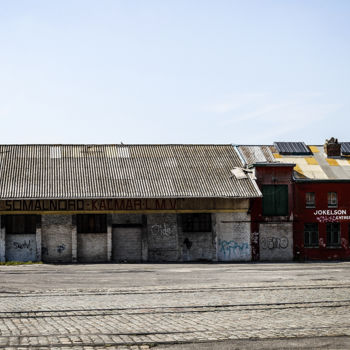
(127, 244)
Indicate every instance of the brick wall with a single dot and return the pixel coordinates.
(162, 237)
(56, 237)
(233, 237)
(196, 246)
(276, 241)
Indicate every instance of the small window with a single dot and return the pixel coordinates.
(196, 222)
(20, 224)
(92, 223)
(333, 234)
(275, 200)
(332, 200)
(310, 199)
(311, 235)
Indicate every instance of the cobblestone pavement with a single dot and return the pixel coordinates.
(140, 306)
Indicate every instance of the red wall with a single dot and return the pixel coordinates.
(269, 175)
(307, 215)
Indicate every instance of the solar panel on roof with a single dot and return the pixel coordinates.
(292, 148)
(345, 148)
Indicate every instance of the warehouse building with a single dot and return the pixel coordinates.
(124, 203)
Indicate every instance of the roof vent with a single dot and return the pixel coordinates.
(332, 148)
(55, 152)
(292, 148)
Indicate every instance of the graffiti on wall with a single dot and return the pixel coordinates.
(162, 230)
(23, 245)
(60, 248)
(234, 250)
(331, 215)
(274, 243)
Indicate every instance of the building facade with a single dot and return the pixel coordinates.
(124, 203)
(304, 211)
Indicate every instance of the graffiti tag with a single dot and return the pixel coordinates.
(60, 248)
(23, 245)
(274, 243)
(161, 231)
(233, 249)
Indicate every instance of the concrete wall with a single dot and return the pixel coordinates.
(92, 247)
(276, 241)
(21, 247)
(56, 231)
(233, 237)
(162, 237)
(196, 246)
(2, 242)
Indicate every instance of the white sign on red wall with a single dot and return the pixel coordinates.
(329, 215)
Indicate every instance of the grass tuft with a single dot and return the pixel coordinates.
(11, 263)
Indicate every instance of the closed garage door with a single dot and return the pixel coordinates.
(127, 244)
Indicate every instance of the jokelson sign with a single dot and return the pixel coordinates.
(328, 215)
(93, 205)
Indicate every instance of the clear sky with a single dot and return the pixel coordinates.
(174, 71)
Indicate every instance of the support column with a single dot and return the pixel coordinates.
(109, 242)
(214, 237)
(144, 238)
(38, 243)
(74, 241)
(2, 242)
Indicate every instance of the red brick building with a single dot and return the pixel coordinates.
(316, 180)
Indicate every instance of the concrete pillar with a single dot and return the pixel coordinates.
(144, 240)
(38, 243)
(215, 237)
(74, 243)
(109, 242)
(2, 242)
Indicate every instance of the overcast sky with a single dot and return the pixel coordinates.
(173, 71)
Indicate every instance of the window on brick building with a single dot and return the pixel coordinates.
(275, 200)
(333, 234)
(200, 222)
(332, 200)
(92, 223)
(20, 223)
(310, 199)
(311, 235)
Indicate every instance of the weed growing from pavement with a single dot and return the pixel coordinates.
(10, 263)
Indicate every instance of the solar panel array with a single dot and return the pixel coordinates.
(292, 148)
(345, 148)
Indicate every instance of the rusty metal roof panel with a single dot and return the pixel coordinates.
(121, 171)
(256, 154)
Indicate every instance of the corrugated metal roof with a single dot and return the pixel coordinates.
(316, 166)
(121, 171)
(256, 154)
